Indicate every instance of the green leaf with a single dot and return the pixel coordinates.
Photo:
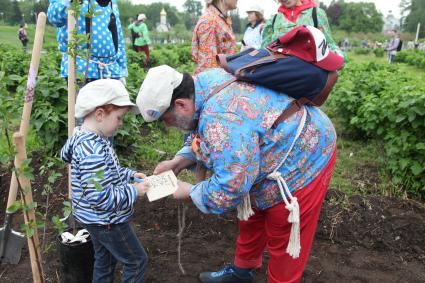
(14, 77)
(32, 205)
(98, 186)
(417, 169)
(14, 207)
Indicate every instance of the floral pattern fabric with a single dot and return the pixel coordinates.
(240, 147)
(212, 35)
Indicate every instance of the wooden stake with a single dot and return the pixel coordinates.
(29, 94)
(71, 89)
(29, 216)
(19, 140)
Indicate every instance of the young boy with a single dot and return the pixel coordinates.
(105, 213)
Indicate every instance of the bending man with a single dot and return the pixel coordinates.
(253, 159)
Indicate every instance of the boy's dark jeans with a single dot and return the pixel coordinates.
(117, 242)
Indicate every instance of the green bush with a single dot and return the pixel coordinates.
(411, 57)
(379, 101)
(361, 51)
(379, 52)
(49, 111)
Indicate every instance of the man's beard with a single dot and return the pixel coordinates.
(184, 123)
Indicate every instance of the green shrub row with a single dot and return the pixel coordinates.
(379, 52)
(411, 57)
(379, 101)
(49, 110)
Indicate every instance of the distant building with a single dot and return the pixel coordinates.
(390, 22)
(163, 26)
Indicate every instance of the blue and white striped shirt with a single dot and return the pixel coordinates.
(88, 153)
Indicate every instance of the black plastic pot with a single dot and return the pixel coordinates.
(76, 261)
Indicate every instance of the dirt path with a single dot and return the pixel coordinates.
(359, 239)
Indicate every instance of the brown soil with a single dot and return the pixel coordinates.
(359, 239)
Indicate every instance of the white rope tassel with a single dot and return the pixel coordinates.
(294, 245)
(244, 208)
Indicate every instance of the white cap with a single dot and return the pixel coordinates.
(155, 93)
(141, 17)
(102, 92)
(255, 8)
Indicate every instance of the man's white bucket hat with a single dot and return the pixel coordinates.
(156, 91)
(102, 92)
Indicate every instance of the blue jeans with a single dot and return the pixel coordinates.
(117, 242)
(391, 59)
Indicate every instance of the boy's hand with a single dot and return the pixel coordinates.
(139, 175)
(142, 188)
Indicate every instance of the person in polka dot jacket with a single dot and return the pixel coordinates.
(107, 54)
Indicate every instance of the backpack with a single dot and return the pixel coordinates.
(21, 35)
(303, 81)
(400, 45)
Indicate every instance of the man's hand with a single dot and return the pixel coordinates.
(183, 190)
(177, 164)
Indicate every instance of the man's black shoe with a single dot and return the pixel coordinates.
(227, 275)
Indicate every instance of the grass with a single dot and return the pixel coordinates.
(9, 35)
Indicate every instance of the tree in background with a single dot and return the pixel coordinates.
(334, 12)
(129, 11)
(5, 9)
(360, 17)
(194, 9)
(415, 10)
(236, 21)
(16, 14)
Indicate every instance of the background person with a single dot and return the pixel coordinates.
(107, 52)
(142, 40)
(23, 36)
(253, 33)
(292, 13)
(393, 46)
(213, 34)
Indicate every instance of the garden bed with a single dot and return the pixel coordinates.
(359, 239)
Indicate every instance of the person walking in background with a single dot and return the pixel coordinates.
(107, 49)
(292, 13)
(252, 36)
(23, 36)
(393, 46)
(213, 34)
(141, 34)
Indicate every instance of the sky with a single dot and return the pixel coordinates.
(270, 6)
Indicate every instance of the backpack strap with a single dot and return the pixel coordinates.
(317, 101)
(314, 15)
(221, 87)
(222, 62)
(274, 19)
(295, 105)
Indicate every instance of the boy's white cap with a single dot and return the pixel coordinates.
(102, 92)
(156, 91)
